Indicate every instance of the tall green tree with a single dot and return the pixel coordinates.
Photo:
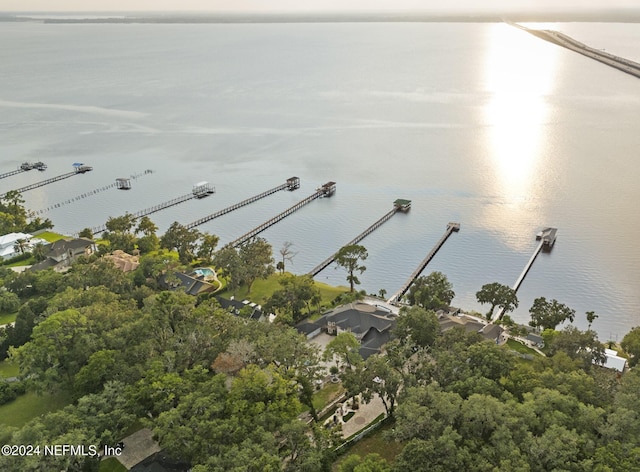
(579, 345)
(631, 344)
(350, 258)
(497, 295)
(549, 314)
(207, 247)
(296, 294)
(256, 257)
(344, 347)
(183, 240)
(431, 292)
(229, 265)
(417, 326)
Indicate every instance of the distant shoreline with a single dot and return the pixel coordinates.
(614, 16)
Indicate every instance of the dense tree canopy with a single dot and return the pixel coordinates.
(497, 295)
(549, 314)
(631, 344)
(225, 393)
(431, 292)
(298, 292)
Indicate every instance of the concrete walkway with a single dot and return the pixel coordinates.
(137, 447)
(363, 416)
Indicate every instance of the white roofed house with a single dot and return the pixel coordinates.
(10, 244)
(613, 361)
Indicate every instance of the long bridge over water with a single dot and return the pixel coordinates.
(561, 39)
(398, 205)
(395, 298)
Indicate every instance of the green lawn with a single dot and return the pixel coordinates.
(262, 289)
(8, 369)
(521, 348)
(375, 442)
(111, 465)
(29, 406)
(50, 236)
(24, 262)
(7, 318)
(324, 396)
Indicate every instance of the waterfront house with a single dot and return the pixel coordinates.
(62, 253)
(123, 261)
(9, 244)
(489, 331)
(191, 285)
(371, 325)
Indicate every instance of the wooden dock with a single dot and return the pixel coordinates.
(547, 238)
(395, 298)
(78, 170)
(292, 183)
(24, 167)
(399, 205)
(150, 210)
(90, 193)
(325, 190)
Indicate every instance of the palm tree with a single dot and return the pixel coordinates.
(20, 245)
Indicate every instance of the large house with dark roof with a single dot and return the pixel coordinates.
(191, 285)
(371, 325)
(61, 254)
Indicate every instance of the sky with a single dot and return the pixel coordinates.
(314, 5)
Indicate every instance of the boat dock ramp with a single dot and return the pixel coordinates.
(398, 205)
(395, 298)
(325, 190)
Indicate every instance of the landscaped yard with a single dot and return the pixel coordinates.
(324, 396)
(50, 236)
(111, 465)
(8, 370)
(375, 442)
(521, 348)
(263, 289)
(29, 406)
(6, 318)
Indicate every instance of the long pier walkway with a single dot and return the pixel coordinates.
(150, 210)
(547, 238)
(292, 183)
(25, 167)
(326, 190)
(561, 39)
(399, 205)
(90, 193)
(42, 183)
(13, 172)
(395, 298)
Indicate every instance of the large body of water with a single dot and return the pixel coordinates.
(481, 124)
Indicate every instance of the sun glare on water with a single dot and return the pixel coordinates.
(519, 75)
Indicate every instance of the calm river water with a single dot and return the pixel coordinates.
(481, 124)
